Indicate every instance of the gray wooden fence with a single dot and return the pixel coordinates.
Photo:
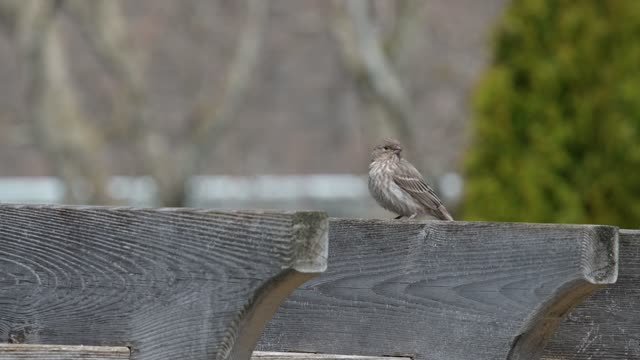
(444, 290)
(166, 283)
(122, 283)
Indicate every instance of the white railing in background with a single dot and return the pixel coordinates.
(205, 189)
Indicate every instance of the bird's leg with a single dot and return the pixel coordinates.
(413, 216)
(398, 217)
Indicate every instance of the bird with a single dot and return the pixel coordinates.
(398, 186)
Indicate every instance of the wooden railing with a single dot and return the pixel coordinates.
(165, 283)
(122, 283)
(444, 290)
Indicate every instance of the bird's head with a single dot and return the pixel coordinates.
(389, 148)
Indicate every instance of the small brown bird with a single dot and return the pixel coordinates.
(398, 186)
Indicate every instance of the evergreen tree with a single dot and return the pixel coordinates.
(556, 128)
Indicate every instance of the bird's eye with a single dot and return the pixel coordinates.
(386, 148)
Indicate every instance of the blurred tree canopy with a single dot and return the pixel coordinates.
(556, 128)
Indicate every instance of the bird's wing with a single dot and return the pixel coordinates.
(408, 178)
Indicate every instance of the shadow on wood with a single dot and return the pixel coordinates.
(606, 325)
(444, 290)
(168, 283)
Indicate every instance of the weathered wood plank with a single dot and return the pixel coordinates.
(168, 283)
(62, 352)
(443, 290)
(607, 325)
(273, 355)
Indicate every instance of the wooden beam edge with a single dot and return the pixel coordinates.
(47, 206)
(630, 233)
(274, 355)
(68, 351)
(600, 254)
(311, 241)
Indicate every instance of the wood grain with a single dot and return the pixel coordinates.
(607, 325)
(443, 290)
(62, 352)
(273, 355)
(168, 283)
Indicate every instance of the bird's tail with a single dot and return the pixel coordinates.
(444, 214)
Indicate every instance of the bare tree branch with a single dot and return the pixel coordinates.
(209, 118)
(406, 16)
(104, 26)
(74, 144)
(211, 121)
(362, 48)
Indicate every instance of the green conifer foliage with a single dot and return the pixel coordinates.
(556, 116)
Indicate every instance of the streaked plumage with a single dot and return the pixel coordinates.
(399, 187)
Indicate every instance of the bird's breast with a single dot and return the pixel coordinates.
(385, 190)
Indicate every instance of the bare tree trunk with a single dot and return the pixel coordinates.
(54, 113)
(105, 28)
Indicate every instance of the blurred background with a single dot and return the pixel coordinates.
(522, 110)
